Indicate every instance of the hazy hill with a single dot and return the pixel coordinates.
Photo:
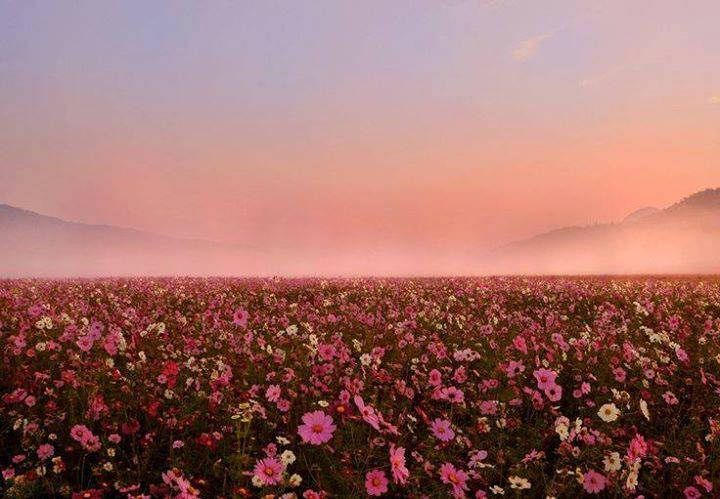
(682, 238)
(37, 245)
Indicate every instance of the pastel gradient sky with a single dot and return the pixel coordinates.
(381, 125)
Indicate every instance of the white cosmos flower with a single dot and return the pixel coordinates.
(612, 462)
(519, 483)
(609, 412)
(287, 457)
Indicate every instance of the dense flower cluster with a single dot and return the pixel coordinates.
(343, 388)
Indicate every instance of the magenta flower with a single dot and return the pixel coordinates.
(91, 443)
(434, 378)
(367, 412)
(376, 483)
(691, 492)
(79, 432)
(45, 451)
(400, 472)
(520, 344)
(454, 477)
(272, 393)
(594, 482)
(317, 428)
(269, 471)
(452, 395)
(514, 368)
(240, 317)
(85, 343)
(545, 378)
(442, 430)
(553, 392)
(638, 447)
(682, 355)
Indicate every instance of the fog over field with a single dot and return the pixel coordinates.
(682, 238)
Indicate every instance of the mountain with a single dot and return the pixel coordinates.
(682, 238)
(37, 245)
(640, 214)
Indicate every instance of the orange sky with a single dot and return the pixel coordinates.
(375, 126)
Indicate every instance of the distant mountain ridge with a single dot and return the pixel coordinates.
(707, 199)
(640, 214)
(682, 238)
(32, 244)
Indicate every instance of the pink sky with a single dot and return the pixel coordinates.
(373, 126)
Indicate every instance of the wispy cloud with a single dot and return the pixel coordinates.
(528, 48)
(715, 99)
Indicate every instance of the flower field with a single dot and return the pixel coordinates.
(485, 387)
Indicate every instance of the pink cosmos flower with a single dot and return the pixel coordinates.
(110, 345)
(272, 393)
(91, 443)
(488, 407)
(45, 451)
(514, 368)
(79, 432)
(326, 351)
(545, 378)
(692, 493)
(240, 317)
(460, 375)
(670, 398)
(638, 447)
(454, 477)
(317, 429)
(520, 344)
(82, 434)
(376, 483)
(84, 343)
(269, 471)
(367, 412)
(442, 430)
(594, 482)
(95, 330)
(434, 378)
(553, 392)
(400, 472)
(452, 395)
(682, 355)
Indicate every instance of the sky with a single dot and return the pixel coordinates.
(340, 127)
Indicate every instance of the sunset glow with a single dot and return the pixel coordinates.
(408, 132)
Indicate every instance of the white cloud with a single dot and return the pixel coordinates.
(527, 48)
